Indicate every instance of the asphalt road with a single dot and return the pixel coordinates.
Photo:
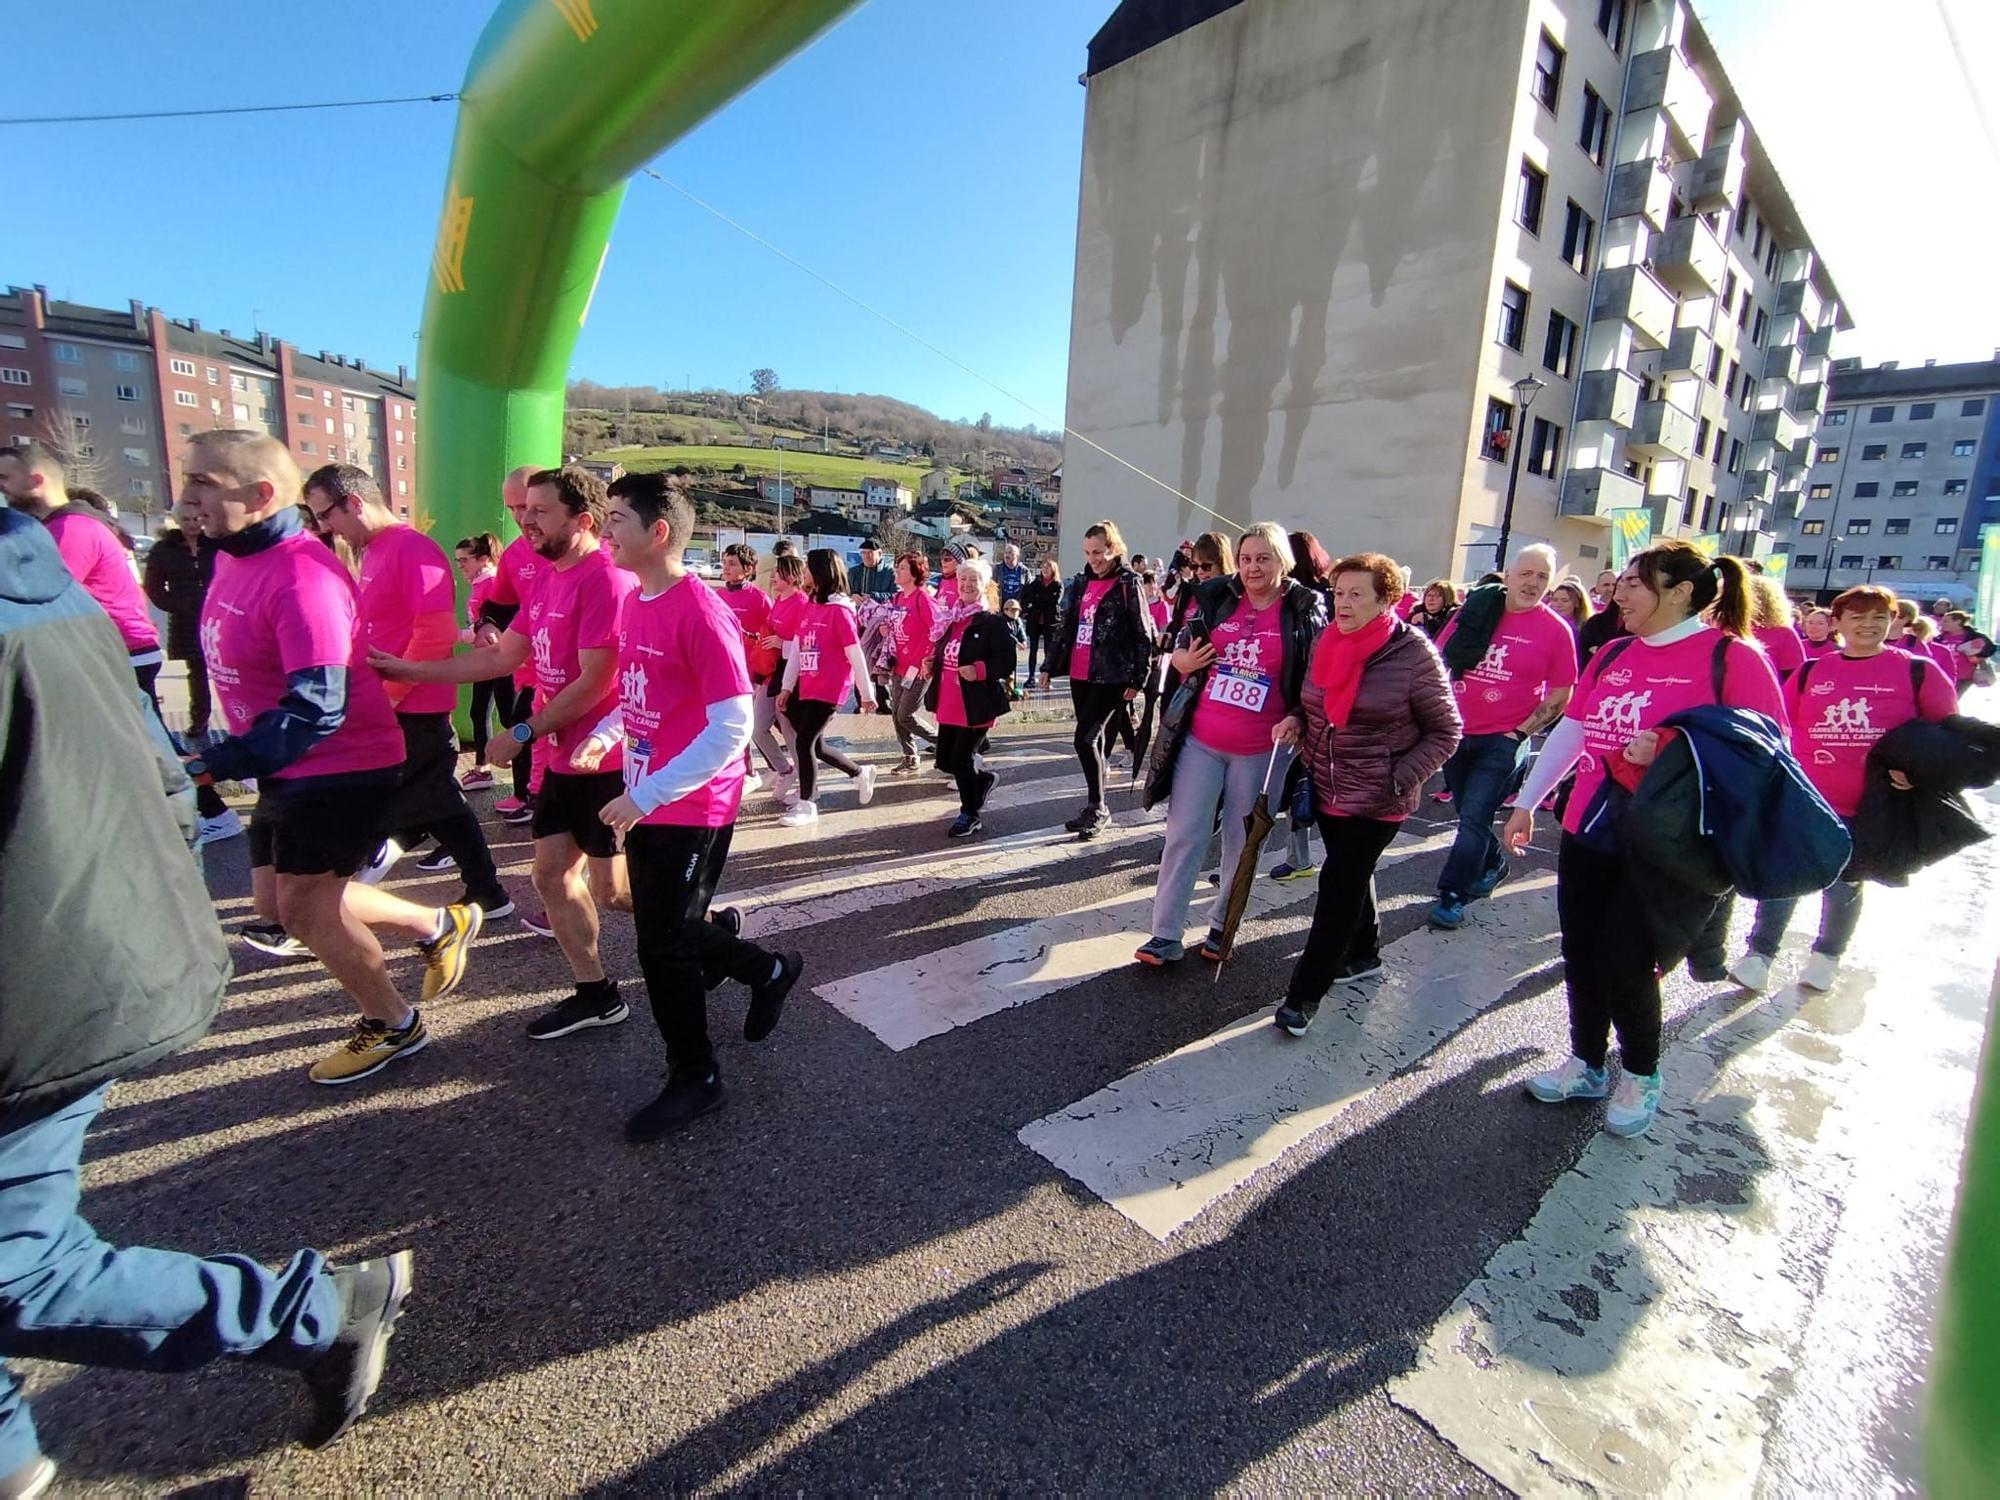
(861, 1276)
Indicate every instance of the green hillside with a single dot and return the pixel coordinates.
(808, 468)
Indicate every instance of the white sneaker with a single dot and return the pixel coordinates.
(1575, 1079)
(1633, 1104)
(1753, 972)
(799, 815)
(386, 855)
(752, 784)
(224, 825)
(784, 788)
(1820, 972)
(865, 785)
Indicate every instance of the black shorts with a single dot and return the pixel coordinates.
(429, 792)
(569, 803)
(320, 825)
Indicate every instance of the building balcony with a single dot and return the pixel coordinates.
(1819, 342)
(1592, 494)
(1661, 430)
(1781, 362)
(1797, 264)
(1807, 402)
(1780, 428)
(1689, 258)
(1663, 80)
(1643, 189)
(1687, 353)
(1802, 300)
(1607, 396)
(1716, 181)
(1757, 484)
(1632, 295)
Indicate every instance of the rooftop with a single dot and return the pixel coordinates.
(1924, 380)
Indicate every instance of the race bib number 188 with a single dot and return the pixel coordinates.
(1234, 688)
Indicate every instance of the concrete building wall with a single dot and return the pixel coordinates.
(1285, 270)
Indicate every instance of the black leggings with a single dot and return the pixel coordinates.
(1607, 953)
(513, 706)
(491, 699)
(956, 747)
(1345, 929)
(1095, 703)
(809, 718)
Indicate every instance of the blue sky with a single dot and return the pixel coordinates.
(924, 154)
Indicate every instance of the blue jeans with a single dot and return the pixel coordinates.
(1202, 779)
(1839, 915)
(66, 1295)
(1480, 773)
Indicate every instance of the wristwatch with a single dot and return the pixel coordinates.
(523, 735)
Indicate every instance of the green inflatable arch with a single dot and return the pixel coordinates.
(562, 101)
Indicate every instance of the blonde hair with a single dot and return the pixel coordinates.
(1770, 609)
(1113, 542)
(1273, 536)
(1923, 627)
(250, 457)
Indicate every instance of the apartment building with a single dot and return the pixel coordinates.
(1363, 267)
(120, 393)
(1906, 473)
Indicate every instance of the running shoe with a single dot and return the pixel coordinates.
(1440, 796)
(270, 938)
(579, 1013)
(497, 905)
(907, 766)
(224, 825)
(445, 955)
(1356, 970)
(1494, 878)
(1085, 819)
(1575, 1079)
(535, 920)
(381, 863)
(864, 785)
(1448, 914)
(799, 815)
(1633, 1104)
(767, 1000)
(752, 784)
(478, 779)
(729, 919)
(1753, 972)
(343, 1379)
(514, 810)
(1212, 947)
(369, 1049)
(683, 1100)
(31, 1479)
(433, 860)
(1157, 953)
(1820, 972)
(964, 826)
(1099, 820)
(1293, 1020)
(1289, 871)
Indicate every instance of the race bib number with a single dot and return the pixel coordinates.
(1086, 628)
(638, 750)
(808, 661)
(1234, 688)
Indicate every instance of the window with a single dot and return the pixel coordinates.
(1513, 315)
(70, 385)
(68, 354)
(1771, 260)
(1749, 392)
(133, 425)
(1868, 489)
(20, 411)
(1976, 407)
(1954, 486)
(402, 486)
(1544, 440)
(1701, 436)
(1558, 349)
(1743, 315)
(1529, 195)
(326, 398)
(1827, 456)
(185, 398)
(1850, 559)
(124, 359)
(80, 421)
(1811, 528)
(1923, 411)
(1915, 450)
(1904, 487)
(1735, 369)
(347, 430)
(1820, 492)
(1757, 249)
(1946, 526)
(1836, 418)
(1937, 564)
(11, 376)
(1547, 86)
(302, 390)
(399, 431)
(306, 446)
(128, 393)
(1763, 322)
(1881, 413)
(1611, 22)
(1715, 364)
(239, 411)
(329, 426)
(403, 462)
(12, 341)
(396, 411)
(1499, 424)
(1806, 560)
(1964, 447)
(186, 430)
(238, 382)
(1860, 526)
(1728, 293)
(1896, 526)
(142, 488)
(1735, 454)
(136, 458)
(1596, 132)
(1872, 452)
(214, 376)
(1578, 231)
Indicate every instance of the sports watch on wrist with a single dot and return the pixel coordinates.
(522, 733)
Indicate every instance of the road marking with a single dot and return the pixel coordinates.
(905, 1003)
(1168, 1140)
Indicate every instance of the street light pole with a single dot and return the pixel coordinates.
(1525, 391)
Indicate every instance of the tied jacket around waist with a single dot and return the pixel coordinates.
(1122, 637)
(1403, 727)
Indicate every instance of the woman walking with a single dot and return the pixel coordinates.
(1571, 600)
(1376, 719)
(1667, 596)
(770, 730)
(1245, 648)
(916, 624)
(822, 671)
(1041, 610)
(968, 673)
(1439, 604)
(478, 559)
(1105, 646)
(1771, 627)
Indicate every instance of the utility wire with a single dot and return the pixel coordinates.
(943, 354)
(240, 109)
(1971, 84)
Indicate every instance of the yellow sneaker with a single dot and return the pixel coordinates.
(371, 1048)
(444, 960)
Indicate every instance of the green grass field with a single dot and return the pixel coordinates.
(808, 468)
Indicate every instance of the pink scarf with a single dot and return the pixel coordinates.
(1337, 662)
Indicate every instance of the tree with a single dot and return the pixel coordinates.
(763, 380)
(986, 421)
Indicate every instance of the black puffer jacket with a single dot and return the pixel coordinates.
(1303, 611)
(110, 957)
(1041, 604)
(176, 581)
(1122, 635)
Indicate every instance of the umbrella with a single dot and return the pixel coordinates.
(1257, 826)
(1144, 735)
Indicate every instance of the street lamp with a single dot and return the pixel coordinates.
(1525, 391)
(1826, 578)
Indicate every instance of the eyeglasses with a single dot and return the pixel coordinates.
(1206, 567)
(319, 516)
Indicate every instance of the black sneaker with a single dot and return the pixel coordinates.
(343, 1379)
(1294, 1019)
(578, 1013)
(964, 826)
(682, 1100)
(496, 904)
(1707, 971)
(767, 1000)
(433, 860)
(987, 781)
(270, 938)
(1099, 820)
(1085, 819)
(728, 918)
(1358, 969)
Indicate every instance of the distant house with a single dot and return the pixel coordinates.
(604, 471)
(972, 489)
(935, 485)
(889, 452)
(778, 492)
(839, 500)
(887, 494)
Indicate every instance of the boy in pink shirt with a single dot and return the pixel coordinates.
(513, 582)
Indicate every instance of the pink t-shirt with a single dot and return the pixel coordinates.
(915, 618)
(477, 593)
(825, 632)
(1782, 645)
(96, 560)
(1640, 685)
(1962, 665)
(520, 566)
(404, 574)
(951, 688)
(750, 605)
(1086, 627)
(785, 616)
(1243, 703)
(1848, 704)
(1160, 613)
(1945, 657)
(1816, 649)
(573, 610)
(679, 652)
(284, 610)
(1532, 654)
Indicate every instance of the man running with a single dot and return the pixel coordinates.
(683, 718)
(406, 601)
(1519, 688)
(520, 565)
(569, 628)
(309, 719)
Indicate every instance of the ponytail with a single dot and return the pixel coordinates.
(1719, 587)
(1731, 610)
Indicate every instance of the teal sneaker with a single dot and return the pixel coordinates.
(1448, 913)
(1633, 1106)
(1575, 1079)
